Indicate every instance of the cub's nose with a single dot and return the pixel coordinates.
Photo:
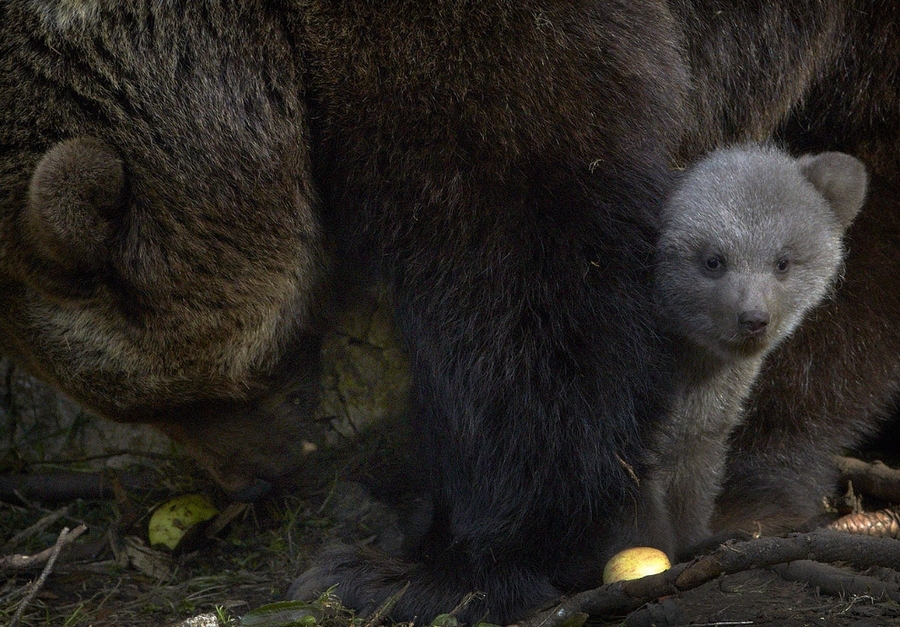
(754, 322)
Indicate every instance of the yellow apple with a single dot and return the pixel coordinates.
(173, 519)
(634, 563)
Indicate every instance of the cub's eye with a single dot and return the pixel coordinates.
(710, 264)
(715, 263)
(782, 265)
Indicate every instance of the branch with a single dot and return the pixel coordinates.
(68, 486)
(822, 545)
(876, 479)
(836, 581)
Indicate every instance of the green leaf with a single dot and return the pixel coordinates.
(445, 620)
(283, 614)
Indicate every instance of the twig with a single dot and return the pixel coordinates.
(36, 528)
(386, 607)
(821, 545)
(224, 519)
(65, 537)
(23, 562)
(876, 479)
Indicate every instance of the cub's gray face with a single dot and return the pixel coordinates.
(159, 248)
(750, 244)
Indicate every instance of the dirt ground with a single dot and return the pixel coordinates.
(109, 577)
(761, 597)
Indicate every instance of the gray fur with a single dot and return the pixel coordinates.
(772, 227)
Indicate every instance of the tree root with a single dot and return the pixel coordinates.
(822, 545)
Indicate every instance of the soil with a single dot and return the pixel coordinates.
(761, 597)
(110, 577)
(100, 582)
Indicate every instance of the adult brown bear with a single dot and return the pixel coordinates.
(177, 179)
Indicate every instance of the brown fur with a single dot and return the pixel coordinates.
(178, 290)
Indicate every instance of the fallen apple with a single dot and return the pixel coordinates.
(634, 563)
(173, 519)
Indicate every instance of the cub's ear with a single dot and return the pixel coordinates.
(74, 199)
(840, 178)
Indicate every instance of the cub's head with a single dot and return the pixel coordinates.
(752, 239)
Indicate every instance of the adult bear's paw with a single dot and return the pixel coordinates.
(440, 582)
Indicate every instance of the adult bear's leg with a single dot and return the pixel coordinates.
(536, 376)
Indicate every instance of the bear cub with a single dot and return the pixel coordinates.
(751, 240)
